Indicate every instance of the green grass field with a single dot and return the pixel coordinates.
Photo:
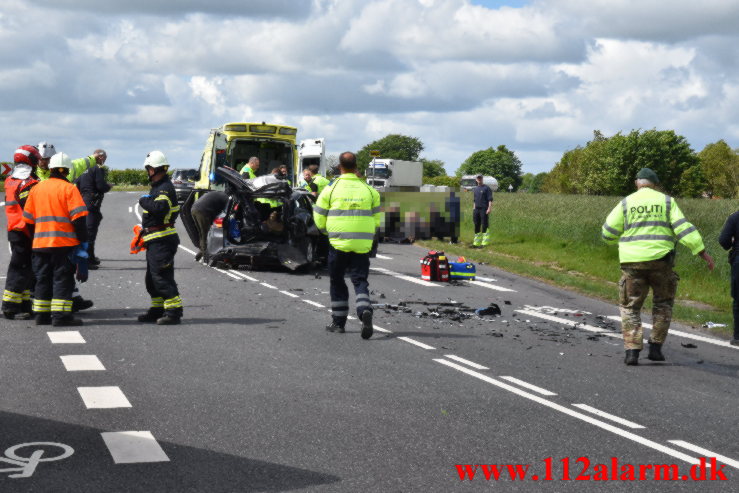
(556, 238)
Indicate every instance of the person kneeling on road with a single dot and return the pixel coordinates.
(348, 211)
(57, 211)
(160, 210)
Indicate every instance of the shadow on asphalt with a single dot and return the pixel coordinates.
(91, 467)
(92, 322)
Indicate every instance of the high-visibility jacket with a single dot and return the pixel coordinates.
(52, 205)
(248, 172)
(646, 225)
(16, 195)
(349, 213)
(79, 166)
(320, 181)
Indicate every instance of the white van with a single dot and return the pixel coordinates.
(468, 182)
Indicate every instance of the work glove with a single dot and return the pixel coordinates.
(145, 196)
(84, 247)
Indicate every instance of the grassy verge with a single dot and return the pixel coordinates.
(130, 188)
(556, 238)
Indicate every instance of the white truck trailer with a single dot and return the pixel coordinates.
(395, 175)
(310, 152)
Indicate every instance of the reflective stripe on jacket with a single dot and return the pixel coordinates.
(160, 211)
(646, 225)
(16, 195)
(348, 211)
(52, 206)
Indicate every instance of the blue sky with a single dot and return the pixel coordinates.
(460, 75)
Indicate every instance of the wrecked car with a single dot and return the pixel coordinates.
(266, 223)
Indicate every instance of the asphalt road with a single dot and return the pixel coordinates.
(251, 393)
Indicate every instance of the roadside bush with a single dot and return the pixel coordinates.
(128, 177)
(449, 181)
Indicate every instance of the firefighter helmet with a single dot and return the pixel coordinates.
(155, 159)
(60, 160)
(26, 155)
(46, 150)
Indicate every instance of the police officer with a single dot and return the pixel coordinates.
(646, 225)
(93, 188)
(483, 197)
(160, 238)
(729, 240)
(56, 210)
(348, 212)
(19, 280)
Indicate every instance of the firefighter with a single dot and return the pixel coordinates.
(646, 225)
(160, 238)
(348, 212)
(19, 280)
(42, 171)
(93, 188)
(57, 212)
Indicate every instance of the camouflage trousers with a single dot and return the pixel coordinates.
(636, 279)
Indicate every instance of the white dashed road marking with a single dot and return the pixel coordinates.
(383, 257)
(288, 293)
(82, 362)
(133, 447)
(416, 343)
(310, 302)
(588, 419)
(187, 250)
(229, 274)
(467, 362)
(268, 285)
(379, 329)
(66, 337)
(103, 397)
(529, 386)
(492, 286)
(603, 414)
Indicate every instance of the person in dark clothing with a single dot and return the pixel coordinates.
(93, 188)
(483, 197)
(729, 240)
(204, 211)
(161, 240)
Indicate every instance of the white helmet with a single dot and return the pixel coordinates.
(46, 150)
(60, 160)
(156, 159)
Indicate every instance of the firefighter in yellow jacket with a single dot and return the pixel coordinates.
(646, 225)
(348, 211)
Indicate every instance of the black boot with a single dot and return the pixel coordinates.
(16, 315)
(335, 327)
(168, 319)
(79, 304)
(655, 352)
(151, 316)
(91, 258)
(632, 357)
(43, 319)
(367, 328)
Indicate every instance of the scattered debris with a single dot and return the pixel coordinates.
(688, 345)
(713, 325)
(699, 362)
(506, 302)
(493, 309)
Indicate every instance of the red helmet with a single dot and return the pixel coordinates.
(27, 155)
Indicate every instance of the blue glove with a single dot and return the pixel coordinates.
(145, 196)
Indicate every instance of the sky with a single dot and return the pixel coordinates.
(461, 75)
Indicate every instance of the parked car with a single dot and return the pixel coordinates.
(184, 181)
(266, 223)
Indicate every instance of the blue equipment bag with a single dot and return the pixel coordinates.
(462, 271)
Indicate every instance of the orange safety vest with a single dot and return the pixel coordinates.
(52, 206)
(15, 191)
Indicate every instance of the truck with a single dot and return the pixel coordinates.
(468, 182)
(312, 152)
(395, 175)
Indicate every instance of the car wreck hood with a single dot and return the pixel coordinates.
(261, 187)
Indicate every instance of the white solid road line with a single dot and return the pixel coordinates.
(187, 250)
(603, 414)
(248, 278)
(706, 453)
(268, 285)
(103, 397)
(133, 447)
(66, 337)
(416, 343)
(383, 257)
(136, 211)
(288, 293)
(466, 362)
(686, 335)
(588, 419)
(405, 278)
(82, 362)
(486, 279)
(529, 386)
(492, 286)
(230, 274)
(310, 302)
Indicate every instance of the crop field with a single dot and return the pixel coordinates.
(557, 238)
